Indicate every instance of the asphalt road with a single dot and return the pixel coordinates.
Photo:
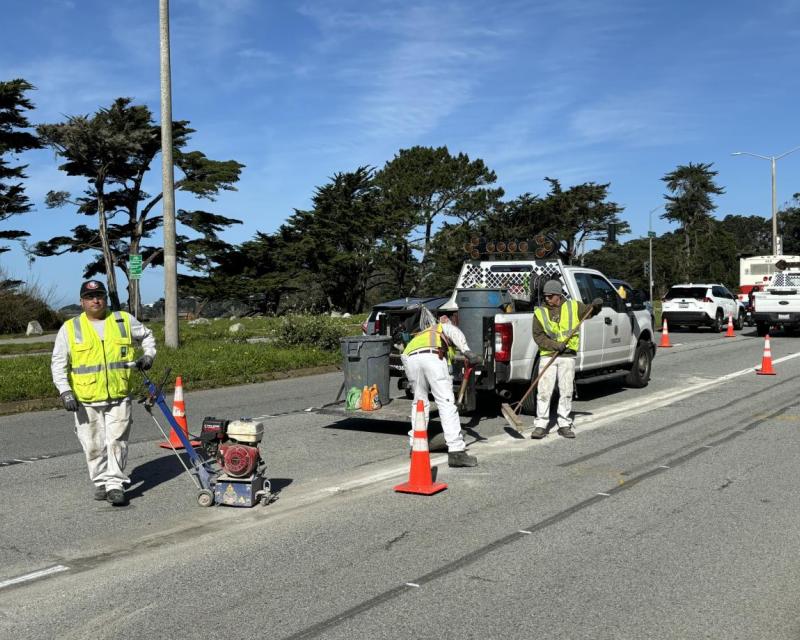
(671, 515)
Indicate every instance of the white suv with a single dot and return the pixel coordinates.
(701, 304)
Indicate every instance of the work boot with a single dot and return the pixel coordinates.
(117, 497)
(566, 432)
(99, 493)
(538, 433)
(461, 459)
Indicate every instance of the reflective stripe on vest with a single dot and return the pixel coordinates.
(568, 318)
(99, 368)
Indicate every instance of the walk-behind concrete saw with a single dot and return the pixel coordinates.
(232, 471)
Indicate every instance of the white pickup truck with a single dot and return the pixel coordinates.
(778, 304)
(493, 305)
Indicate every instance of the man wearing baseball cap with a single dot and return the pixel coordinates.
(91, 368)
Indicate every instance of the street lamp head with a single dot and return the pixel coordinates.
(737, 153)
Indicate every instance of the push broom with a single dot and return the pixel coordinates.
(511, 412)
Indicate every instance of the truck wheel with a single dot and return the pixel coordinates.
(762, 329)
(639, 374)
(529, 406)
(739, 322)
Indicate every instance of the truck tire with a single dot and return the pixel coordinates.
(639, 375)
(529, 405)
(738, 324)
(762, 329)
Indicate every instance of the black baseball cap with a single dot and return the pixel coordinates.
(93, 287)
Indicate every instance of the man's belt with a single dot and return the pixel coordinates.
(418, 351)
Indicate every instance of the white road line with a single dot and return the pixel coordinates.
(33, 576)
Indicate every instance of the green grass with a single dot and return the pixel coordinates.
(25, 347)
(209, 355)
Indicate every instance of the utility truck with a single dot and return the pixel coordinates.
(778, 303)
(493, 303)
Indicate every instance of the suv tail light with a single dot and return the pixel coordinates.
(503, 337)
(707, 299)
(377, 330)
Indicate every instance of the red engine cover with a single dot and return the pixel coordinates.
(238, 460)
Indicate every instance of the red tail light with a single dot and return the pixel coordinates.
(503, 337)
(707, 300)
(377, 330)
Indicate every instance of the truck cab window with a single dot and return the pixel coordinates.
(605, 290)
(584, 282)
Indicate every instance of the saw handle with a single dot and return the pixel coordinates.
(552, 359)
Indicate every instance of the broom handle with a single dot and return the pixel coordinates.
(553, 358)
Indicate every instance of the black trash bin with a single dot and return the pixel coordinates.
(365, 361)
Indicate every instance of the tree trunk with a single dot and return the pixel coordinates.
(108, 259)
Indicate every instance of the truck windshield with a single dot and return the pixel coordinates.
(698, 293)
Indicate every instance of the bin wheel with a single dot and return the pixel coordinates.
(205, 498)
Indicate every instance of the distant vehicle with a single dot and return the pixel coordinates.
(758, 270)
(634, 296)
(376, 322)
(695, 305)
(778, 302)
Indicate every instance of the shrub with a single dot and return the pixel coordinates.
(321, 332)
(17, 309)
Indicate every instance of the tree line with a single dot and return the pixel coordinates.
(370, 233)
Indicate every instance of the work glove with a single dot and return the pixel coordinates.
(144, 363)
(561, 347)
(472, 357)
(70, 403)
(597, 303)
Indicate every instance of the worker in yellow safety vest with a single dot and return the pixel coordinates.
(552, 323)
(91, 368)
(426, 359)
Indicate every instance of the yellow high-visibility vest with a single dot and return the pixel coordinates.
(430, 338)
(99, 368)
(558, 331)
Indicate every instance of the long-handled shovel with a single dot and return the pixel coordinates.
(468, 369)
(511, 413)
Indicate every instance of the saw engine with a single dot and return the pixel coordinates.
(234, 444)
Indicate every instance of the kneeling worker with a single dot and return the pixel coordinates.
(91, 363)
(552, 323)
(426, 358)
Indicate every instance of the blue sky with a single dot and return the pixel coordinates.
(616, 91)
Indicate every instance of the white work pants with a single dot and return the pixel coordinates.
(428, 373)
(103, 432)
(563, 371)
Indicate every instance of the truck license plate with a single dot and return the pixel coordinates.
(783, 316)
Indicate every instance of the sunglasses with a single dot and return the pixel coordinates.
(95, 296)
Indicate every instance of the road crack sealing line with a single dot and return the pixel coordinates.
(470, 558)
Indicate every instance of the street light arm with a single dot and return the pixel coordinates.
(756, 155)
(783, 155)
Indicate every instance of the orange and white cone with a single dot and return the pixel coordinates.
(179, 413)
(664, 335)
(766, 361)
(420, 479)
(729, 333)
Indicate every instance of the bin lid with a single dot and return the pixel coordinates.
(482, 298)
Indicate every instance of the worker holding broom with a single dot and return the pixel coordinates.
(553, 326)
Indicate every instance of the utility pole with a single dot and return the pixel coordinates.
(650, 235)
(772, 159)
(171, 337)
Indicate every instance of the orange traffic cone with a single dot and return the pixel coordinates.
(766, 361)
(729, 333)
(664, 335)
(420, 479)
(179, 413)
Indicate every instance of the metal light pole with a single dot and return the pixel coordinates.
(171, 337)
(772, 160)
(650, 236)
